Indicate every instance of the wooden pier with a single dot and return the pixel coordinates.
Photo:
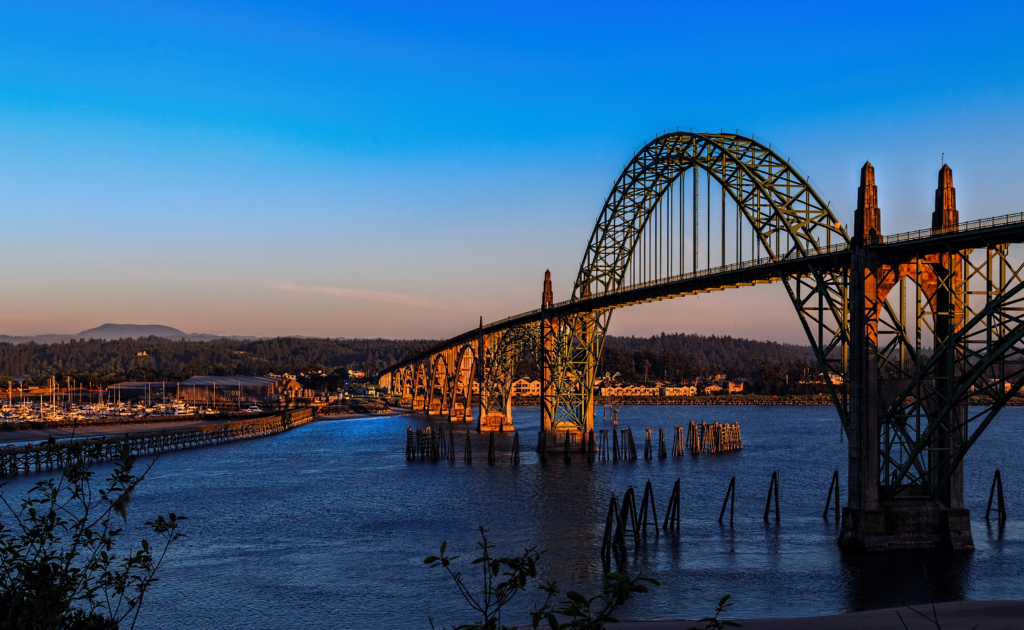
(37, 457)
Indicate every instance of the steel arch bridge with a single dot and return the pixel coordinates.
(912, 326)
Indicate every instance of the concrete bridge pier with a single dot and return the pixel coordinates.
(877, 518)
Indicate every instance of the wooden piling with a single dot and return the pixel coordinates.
(672, 512)
(997, 490)
(833, 485)
(773, 487)
(629, 516)
(515, 448)
(467, 455)
(648, 503)
(648, 445)
(614, 532)
(490, 449)
(730, 493)
(662, 454)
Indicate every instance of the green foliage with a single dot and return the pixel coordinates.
(680, 357)
(591, 613)
(60, 566)
(714, 623)
(107, 362)
(504, 578)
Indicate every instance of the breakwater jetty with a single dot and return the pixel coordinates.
(52, 455)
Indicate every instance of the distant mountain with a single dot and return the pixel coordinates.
(108, 332)
(131, 331)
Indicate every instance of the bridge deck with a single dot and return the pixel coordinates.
(970, 235)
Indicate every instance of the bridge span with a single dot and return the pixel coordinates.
(924, 329)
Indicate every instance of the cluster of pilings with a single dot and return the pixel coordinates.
(622, 446)
(37, 457)
(430, 444)
(717, 437)
(626, 519)
(427, 444)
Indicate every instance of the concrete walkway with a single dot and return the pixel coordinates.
(994, 615)
(41, 435)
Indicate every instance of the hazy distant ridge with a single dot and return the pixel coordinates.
(109, 332)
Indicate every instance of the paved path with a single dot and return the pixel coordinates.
(994, 615)
(40, 435)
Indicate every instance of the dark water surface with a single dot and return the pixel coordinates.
(326, 526)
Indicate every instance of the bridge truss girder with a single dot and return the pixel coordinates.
(938, 405)
(788, 220)
(504, 350)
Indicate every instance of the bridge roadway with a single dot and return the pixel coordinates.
(973, 234)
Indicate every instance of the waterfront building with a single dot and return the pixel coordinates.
(525, 387)
(630, 391)
(239, 388)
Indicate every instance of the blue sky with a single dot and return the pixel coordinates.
(399, 170)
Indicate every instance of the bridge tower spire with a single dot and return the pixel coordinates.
(945, 214)
(878, 515)
(867, 219)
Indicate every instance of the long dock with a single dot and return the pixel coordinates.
(37, 457)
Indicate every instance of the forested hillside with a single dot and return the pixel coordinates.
(680, 356)
(107, 362)
(664, 357)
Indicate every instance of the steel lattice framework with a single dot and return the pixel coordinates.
(787, 220)
(504, 351)
(941, 402)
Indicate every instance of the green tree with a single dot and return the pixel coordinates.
(60, 566)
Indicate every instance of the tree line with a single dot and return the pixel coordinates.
(777, 368)
(158, 359)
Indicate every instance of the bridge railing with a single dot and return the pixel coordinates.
(758, 262)
(979, 224)
(508, 319)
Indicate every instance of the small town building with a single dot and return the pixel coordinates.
(713, 388)
(154, 390)
(525, 387)
(630, 391)
(204, 389)
(678, 390)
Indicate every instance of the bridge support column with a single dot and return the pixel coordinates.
(491, 419)
(872, 521)
(547, 348)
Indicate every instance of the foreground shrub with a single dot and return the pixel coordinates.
(59, 565)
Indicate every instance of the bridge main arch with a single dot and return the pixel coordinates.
(633, 242)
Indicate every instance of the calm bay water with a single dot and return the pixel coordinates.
(326, 526)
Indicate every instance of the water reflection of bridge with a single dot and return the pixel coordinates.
(918, 325)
